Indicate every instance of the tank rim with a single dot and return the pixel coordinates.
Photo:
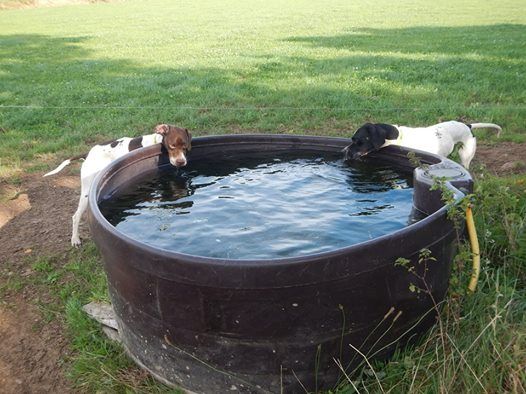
(151, 151)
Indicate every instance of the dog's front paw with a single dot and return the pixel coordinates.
(75, 242)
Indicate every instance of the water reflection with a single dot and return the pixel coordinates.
(260, 207)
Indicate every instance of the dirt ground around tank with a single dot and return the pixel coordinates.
(36, 221)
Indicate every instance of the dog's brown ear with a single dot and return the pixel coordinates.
(162, 129)
(189, 143)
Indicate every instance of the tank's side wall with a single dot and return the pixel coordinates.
(263, 336)
(267, 326)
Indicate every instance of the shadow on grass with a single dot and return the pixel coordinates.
(406, 76)
(449, 68)
(503, 40)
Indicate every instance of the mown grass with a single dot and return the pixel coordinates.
(72, 76)
(75, 75)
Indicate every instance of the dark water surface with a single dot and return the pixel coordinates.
(272, 206)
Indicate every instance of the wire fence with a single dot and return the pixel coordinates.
(270, 108)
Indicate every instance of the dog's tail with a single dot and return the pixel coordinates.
(64, 164)
(59, 168)
(486, 126)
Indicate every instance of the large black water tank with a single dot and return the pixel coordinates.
(213, 325)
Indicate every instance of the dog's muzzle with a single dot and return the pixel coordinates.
(179, 160)
(348, 154)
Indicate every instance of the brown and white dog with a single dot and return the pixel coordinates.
(176, 140)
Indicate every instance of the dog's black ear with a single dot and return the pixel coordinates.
(375, 138)
(189, 144)
(391, 132)
(380, 132)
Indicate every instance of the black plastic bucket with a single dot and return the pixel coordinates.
(214, 325)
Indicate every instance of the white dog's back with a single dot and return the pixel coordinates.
(439, 139)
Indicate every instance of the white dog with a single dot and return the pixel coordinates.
(176, 140)
(439, 139)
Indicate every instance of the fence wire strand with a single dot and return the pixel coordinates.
(272, 108)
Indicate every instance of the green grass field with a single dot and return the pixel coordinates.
(74, 75)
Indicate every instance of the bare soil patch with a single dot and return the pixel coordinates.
(33, 350)
(31, 354)
(45, 227)
(13, 207)
(506, 158)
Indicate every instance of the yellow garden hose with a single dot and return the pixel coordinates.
(473, 240)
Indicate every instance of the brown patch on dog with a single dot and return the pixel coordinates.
(177, 141)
